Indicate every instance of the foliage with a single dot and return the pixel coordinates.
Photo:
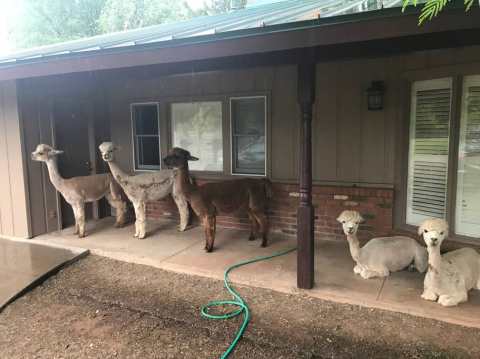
(432, 8)
(43, 22)
(220, 6)
(118, 15)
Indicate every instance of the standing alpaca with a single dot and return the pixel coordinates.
(227, 196)
(145, 187)
(451, 276)
(380, 256)
(80, 190)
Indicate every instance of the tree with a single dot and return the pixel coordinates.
(213, 7)
(43, 22)
(432, 8)
(118, 15)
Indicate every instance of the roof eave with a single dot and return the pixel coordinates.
(375, 25)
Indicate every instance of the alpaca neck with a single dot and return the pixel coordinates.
(354, 246)
(117, 172)
(182, 180)
(55, 177)
(434, 262)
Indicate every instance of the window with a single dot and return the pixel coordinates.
(432, 163)
(467, 216)
(146, 138)
(428, 153)
(248, 119)
(197, 127)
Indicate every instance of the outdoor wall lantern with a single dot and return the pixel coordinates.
(375, 95)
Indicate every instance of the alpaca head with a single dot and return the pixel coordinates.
(107, 150)
(43, 153)
(178, 157)
(433, 231)
(350, 221)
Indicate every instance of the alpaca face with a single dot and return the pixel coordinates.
(107, 150)
(178, 158)
(44, 152)
(350, 221)
(433, 231)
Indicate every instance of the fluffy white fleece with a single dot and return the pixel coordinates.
(451, 276)
(380, 256)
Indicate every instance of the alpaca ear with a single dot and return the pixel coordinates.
(192, 158)
(362, 220)
(56, 152)
(420, 229)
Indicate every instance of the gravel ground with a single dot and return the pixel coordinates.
(100, 308)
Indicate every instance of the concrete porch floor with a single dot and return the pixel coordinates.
(24, 263)
(165, 248)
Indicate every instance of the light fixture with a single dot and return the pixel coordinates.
(375, 95)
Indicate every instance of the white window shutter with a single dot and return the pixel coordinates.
(468, 180)
(429, 148)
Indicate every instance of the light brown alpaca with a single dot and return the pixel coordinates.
(228, 196)
(145, 187)
(80, 190)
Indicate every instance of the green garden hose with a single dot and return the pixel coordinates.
(237, 301)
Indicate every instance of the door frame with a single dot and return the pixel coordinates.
(91, 151)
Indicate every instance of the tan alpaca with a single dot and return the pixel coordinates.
(80, 190)
(451, 276)
(380, 256)
(145, 187)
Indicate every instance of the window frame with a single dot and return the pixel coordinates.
(457, 76)
(420, 85)
(133, 129)
(239, 97)
(225, 143)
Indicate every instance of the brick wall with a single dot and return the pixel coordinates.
(374, 204)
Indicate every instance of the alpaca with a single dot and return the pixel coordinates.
(451, 276)
(145, 187)
(80, 190)
(227, 196)
(380, 256)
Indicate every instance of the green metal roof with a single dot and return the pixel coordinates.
(282, 15)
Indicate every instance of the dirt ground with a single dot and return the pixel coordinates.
(100, 308)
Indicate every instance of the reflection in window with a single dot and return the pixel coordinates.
(146, 136)
(248, 117)
(468, 180)
(197, 127)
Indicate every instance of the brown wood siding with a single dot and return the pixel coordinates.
(278, 83)
(351, 145)
(13, 205)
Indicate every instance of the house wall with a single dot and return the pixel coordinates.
(38, 97)
(352, 146)
(14, 218)
(359, 156)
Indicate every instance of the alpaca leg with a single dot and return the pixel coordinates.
(209, 227)
(140, 222)
(357, 269)
(79, 213)
(263, 224)
(120, 209)
(136, 207)
(421, 260)
(452, 300)
(182, 206)
(253, 227)
(367, 274)
(429, 295)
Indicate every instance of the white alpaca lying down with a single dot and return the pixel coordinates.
(451, 276)
(380, 256)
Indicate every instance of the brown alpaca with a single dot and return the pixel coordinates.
(211, 199)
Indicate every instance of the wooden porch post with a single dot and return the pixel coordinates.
(306, 212)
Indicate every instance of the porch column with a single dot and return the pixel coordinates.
(306, 212)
